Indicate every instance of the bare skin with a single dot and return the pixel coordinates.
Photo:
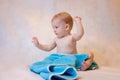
(65, 41)
(86, 64)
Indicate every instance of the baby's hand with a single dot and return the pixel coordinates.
(77, 19)
(35, 41)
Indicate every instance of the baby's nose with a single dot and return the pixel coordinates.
(54, 30)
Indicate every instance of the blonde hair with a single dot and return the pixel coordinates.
(66, 17)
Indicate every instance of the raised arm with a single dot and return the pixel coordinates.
(80, 31)
(45, 47)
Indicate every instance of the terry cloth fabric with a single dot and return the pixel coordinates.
(59, 66)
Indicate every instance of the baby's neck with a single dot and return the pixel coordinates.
(66, 35)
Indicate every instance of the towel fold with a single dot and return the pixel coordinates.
(59, 72)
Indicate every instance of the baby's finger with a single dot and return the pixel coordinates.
(34, 38)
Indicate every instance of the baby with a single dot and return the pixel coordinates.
(65, 42)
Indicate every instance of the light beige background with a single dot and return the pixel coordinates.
(22, 19)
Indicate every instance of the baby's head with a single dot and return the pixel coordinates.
(62, 24)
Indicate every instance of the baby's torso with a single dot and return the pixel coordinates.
(66, 45)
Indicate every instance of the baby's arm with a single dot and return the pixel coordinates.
(44, 47)
(80, 30)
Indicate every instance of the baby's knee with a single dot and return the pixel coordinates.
(91, 55)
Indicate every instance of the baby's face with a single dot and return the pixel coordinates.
(59, 28)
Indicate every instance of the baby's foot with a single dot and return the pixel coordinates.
(84, 66)
(79, 78)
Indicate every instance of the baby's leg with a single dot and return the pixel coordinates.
(86, 64)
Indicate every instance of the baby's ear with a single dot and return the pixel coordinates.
(67, 27)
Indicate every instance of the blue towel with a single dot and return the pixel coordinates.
(59, 66)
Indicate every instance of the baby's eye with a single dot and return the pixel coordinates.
(56, 27)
